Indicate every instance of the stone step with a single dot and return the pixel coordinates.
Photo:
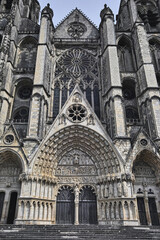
(81, 232)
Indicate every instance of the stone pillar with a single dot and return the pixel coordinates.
(41, 211)
(76, 201)
(38, 188)
(50, 190)
(31, 210)
(45, 211)
(147, 208)
(102, 190)
(148, 88)
(19, 214)
(103, 210)
(36, 211)
(39, 97)
(34, 188)
(25, 210)
(111, 83)
(6, 76)
(49, 212)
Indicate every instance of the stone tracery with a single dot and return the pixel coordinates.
(76, 62)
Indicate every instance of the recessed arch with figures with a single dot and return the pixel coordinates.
(105, 157)
(146, 175)
(11, 166)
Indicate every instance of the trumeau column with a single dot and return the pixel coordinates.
(40, 94)
(111, 83)
(148, 88)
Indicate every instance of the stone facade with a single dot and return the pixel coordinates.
(80, 115)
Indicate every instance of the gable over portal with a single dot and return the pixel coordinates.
(76, 26)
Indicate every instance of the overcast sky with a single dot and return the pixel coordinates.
(91, 8)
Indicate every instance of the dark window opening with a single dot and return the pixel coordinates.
(158, 79)
(96, 101)
(132, 114)
(128, 90)
(88, 95)
(24, 92)
(21, 115)
(152, 18)
(64, 95)
(0, 39)
(8, 4)
(56, 101)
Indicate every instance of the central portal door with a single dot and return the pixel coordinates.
(65, 206)
(87, 206)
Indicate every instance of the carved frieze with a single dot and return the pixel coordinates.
(76, 162)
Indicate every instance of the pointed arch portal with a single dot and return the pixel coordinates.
(66, 205)
(146, 188)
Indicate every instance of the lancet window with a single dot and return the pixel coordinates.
(76, 66)
(155, 53)
(125, 56)
(130, 101)
(20, 111)
(27, 53)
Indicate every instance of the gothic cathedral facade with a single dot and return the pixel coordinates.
(80, 115)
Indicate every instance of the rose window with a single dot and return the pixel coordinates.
(9, 139)
(77, 113)
(25, 92)
(76, 62)
(76, 30)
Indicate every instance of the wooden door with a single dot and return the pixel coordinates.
(65, 206)
(87, 206)
(12, 208)
(142, 211)
(153, 211)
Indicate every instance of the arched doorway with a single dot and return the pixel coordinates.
(87, 206)
(146, 188)
(65, 206)
(10, 170)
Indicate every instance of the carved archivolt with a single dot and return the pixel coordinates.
(83, 141)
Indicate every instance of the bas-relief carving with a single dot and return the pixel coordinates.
(76, 162)
(144, 173)
(9, 173)
(76, 180)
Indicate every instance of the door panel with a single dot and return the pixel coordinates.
(2, 195)
(87, 206)
(12, 208)
(153, 211)
(142, 211)
(65, 206)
